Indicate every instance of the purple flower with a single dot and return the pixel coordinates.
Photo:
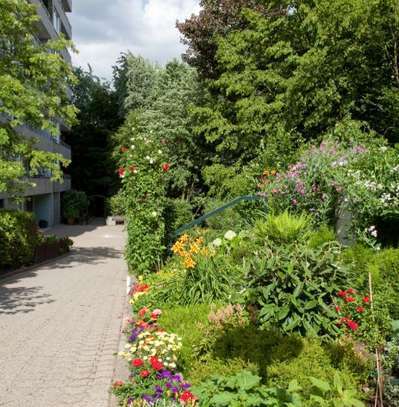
(158, 389)
(177, 378)
(166, 374)
(175, 390)
(149, 399)
(135, 333)
(168, 385)
(186, 386)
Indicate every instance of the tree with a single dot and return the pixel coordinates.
(295, 76)
(165, 114)
(92, 168)
(134, 81)
(34, 81)
(217, 18)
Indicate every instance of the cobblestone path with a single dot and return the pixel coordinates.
(60, 324)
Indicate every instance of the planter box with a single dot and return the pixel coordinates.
(50, 250)
(115, 220)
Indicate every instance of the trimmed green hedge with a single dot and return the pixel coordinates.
(19, 238)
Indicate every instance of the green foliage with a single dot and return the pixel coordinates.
(334, 394)
(178, 212)
(283, 228)
(189, 323)
(322, 235)
(143, 171)
(75, 204)
(116, 205)
(244, 390)
(356, 177)
(384, 268)
(34, 81)
(293, 286)
(293, 72)
(93, 168)
(18, 239)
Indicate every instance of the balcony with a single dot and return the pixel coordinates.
(67, 4)
(63, 186)
(63, 149)
(46, 25)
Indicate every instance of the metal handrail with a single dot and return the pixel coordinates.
(214, 212)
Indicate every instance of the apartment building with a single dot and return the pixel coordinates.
(45, 198)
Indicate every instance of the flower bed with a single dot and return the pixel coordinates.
(234, 349)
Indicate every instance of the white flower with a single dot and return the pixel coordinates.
(154, 214)
(132, 147)
(373, 231)
(151, 161)
(217, 242)
(230, 235)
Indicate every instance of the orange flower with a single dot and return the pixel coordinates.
(189, 263)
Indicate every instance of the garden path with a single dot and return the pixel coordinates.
(60, 324)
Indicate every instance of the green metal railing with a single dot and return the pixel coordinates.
(203, 218)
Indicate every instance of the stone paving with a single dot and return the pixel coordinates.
(60, 324)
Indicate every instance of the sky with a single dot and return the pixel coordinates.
(102, 29)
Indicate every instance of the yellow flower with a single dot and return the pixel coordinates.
(194, 249)
(184, 238)
(189, 263)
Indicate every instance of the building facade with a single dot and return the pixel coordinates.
(44, 200)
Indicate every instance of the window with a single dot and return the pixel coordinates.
(1, 203)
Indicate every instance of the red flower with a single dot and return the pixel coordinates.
(352, 325)
(165, 167)
(341, 294)
(360, 309)
(118, 383)
(155, 314)
(137, 362)
(366, 300)
(338, 309)
(121, 172)
(144, 373)
(351, 291)
(187, 396)
(350, 299)
(142, 312)
(124, 149)
(155, 363)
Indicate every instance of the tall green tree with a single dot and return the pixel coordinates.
(284, 77)
(92, 168)
(175, 89)
(134, 81)
(34, 81)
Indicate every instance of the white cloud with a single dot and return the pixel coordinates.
(102, 29)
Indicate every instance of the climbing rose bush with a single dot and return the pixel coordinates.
(143, 169)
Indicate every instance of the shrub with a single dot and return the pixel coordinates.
(116, 205)
(244, 390)
(143, 169)
(177, 213)
(75, 204)
(384, 268)
(19, 237)
(293, 287)
(188, 322)
(283, 228)
(359, 176)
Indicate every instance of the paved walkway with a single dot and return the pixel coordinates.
(60, 324)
